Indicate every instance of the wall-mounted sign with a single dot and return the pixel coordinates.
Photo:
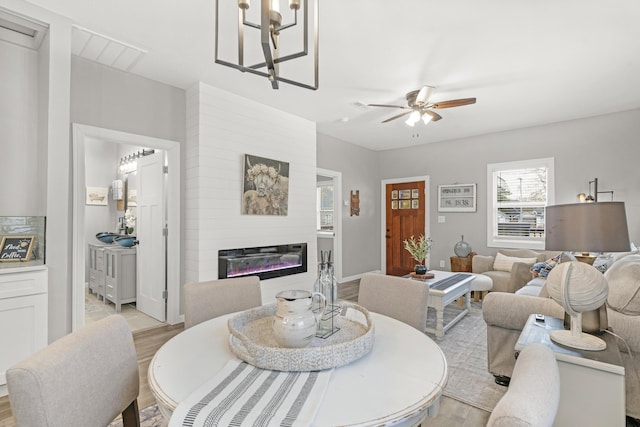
(16, 248)
(457, 198)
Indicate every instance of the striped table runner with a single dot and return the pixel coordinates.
(243, 395)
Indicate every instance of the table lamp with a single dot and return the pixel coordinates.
(579, 287)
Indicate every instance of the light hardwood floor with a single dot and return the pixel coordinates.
(452, 413)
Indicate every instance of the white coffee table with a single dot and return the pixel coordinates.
(440, 298)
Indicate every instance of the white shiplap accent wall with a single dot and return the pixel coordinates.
(221, 129)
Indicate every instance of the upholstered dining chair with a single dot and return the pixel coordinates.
(534, 391)
(206, 300)
(83, 379)
(403, 299)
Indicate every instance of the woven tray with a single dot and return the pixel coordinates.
(251, 339)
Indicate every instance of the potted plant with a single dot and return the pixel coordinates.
(419, 250)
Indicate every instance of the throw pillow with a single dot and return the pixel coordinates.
(542, 269)
(624, 285)
(603, 262)
(505, 263)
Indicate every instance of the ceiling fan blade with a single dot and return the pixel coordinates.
(434, 116)
(453, 103)
(388, 106)
(397, 117)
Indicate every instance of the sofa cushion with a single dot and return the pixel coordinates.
(624, 285)
(505, 263)
(532, 288)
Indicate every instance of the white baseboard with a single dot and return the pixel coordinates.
(358, 276)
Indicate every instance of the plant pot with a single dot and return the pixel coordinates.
(420, 269)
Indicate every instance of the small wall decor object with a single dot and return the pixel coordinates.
(266, 186)
(355, 203)
(457, 198)
(16, 248)
(97, 196)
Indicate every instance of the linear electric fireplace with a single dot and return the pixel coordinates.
(265, 262)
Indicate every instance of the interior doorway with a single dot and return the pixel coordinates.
(84, 135)
(405, 208)
(329, 217)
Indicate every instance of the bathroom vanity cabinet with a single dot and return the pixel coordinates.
(96, 269)
(120, 275)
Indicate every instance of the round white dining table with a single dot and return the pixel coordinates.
(399, 382)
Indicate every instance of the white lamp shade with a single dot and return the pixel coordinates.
(586, 287)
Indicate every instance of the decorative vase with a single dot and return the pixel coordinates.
(420, 269)
(462, 248)
(295, 324)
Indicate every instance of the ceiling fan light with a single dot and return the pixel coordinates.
(426, 118)
(414, 118)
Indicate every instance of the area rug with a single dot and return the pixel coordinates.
(149, 417)
(465, 348)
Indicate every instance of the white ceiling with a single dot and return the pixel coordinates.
(528, 62)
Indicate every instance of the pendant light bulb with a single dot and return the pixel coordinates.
(426, 118)
(275, 6)
(414, 118)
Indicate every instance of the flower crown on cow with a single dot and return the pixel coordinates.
(261, 169)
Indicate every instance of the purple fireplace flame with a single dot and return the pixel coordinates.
(265, 262)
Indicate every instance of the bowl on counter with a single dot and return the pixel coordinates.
(106, 237)
(126, 241)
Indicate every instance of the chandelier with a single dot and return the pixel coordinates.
(271, 26)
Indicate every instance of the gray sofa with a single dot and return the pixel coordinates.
(507, 313)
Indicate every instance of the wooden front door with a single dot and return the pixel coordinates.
(405, 208)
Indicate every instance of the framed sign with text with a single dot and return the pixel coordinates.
(16, 248)
(457, 198)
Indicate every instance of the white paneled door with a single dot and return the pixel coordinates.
(150, 225)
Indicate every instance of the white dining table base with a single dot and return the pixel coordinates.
(399, 382)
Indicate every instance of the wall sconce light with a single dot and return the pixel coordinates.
(271, 26)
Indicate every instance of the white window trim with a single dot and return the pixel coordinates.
(493, 241)
(322, 233)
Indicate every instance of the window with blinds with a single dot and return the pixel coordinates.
(519, 193)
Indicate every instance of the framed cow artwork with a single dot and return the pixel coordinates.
(265, 186)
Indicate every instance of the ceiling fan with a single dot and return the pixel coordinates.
(419, 107)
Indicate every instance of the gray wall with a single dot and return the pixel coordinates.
(604, 147)
(360, 171)
(19, 132)
(112, 99)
